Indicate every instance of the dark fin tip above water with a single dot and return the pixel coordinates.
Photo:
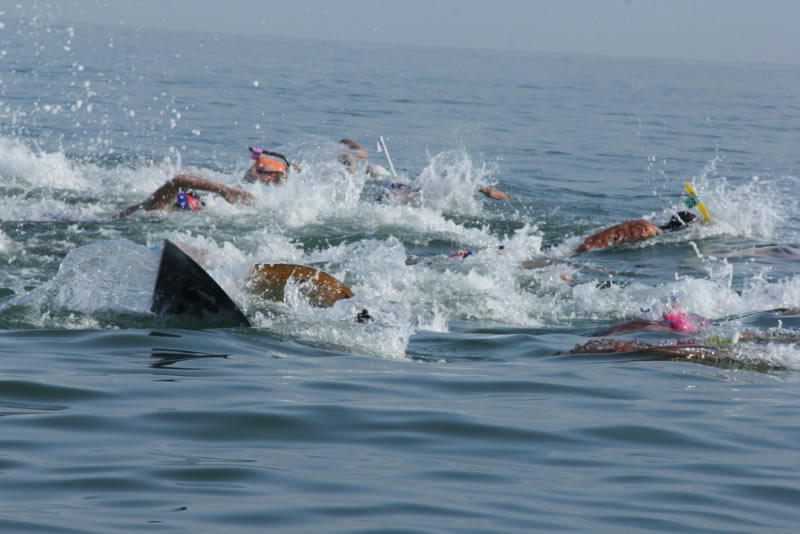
(184, 289)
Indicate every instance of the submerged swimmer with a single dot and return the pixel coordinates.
(633, 231)
(676, 319)
(626, 232)
(682, 350)
(673, 319)
(395, 191)
(179, 193)
(400, 193)
(712, 349)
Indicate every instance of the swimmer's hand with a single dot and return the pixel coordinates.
(496, 194)
(236, 196)
(127, 211)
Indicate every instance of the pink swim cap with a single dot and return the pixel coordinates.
(679, 322)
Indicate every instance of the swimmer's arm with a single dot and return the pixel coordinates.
(164, 197)
(184, 181)
(496, 194)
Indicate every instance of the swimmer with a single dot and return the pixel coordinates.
(393, 191)
(401, 193)
(683, 350)
(398, 193)
(353, 153)
(673, 319)
(711, 350)
(633, 231)
(676, 318)
(464, 254)
(180, 193)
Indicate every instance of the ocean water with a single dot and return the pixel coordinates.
(459, 407)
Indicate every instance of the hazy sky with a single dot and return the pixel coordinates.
(735, 30)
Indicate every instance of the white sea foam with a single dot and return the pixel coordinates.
(6, 243)
(103, 276)
(30, 167)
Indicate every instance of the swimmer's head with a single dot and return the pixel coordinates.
(359, 151)
(265, 164)
(270, 170)
(679, 221)
(266, 169)
(346, 159)
(679, 322)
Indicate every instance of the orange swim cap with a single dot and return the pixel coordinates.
(265, 164)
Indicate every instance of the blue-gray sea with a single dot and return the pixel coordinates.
(457, 408)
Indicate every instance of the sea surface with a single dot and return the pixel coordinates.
(459, 407)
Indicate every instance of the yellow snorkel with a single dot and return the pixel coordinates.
(693, 201)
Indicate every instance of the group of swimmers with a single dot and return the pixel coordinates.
(273, 168)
